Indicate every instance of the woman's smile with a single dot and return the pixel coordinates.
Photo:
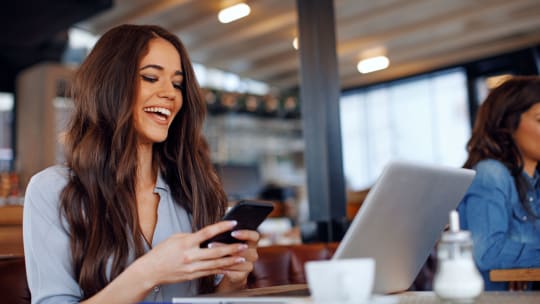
(159, 114)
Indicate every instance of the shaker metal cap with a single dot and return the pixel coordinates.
(455, 234)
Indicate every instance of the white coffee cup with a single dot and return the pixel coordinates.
(341, 281)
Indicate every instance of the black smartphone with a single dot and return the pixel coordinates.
(249, 215)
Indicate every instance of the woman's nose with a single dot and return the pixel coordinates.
(167, 91)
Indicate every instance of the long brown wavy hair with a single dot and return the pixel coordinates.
(99, 201)
(497, 120)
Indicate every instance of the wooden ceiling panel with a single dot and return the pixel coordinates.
(119, 13)
(419, 35)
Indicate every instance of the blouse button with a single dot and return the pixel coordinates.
(156, 289)
(524, 217)
(531, 199)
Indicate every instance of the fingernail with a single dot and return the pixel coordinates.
(233, 223)
(240, 260)
(242, 247)
(235, 233)
(211, 245)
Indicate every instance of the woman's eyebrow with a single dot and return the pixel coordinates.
(155, 66)
(158, 67)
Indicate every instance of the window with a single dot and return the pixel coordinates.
(6, 131)
(419, 119)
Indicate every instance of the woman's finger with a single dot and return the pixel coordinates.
(201, 254)
(216, 265)
(245, 267)
(212, 230)
(246, 235)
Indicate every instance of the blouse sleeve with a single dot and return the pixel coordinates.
(46, 242)
(485, 211)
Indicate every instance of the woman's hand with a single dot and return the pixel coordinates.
(180, 258)
(235, 276)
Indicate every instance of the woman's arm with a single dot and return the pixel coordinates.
(177, 259)
(46, 242)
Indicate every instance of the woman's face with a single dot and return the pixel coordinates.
(159, 96)
(527, 135)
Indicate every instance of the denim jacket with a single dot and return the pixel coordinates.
(504, 234)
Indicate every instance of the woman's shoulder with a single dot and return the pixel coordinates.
(491, 165)
(493, 171)
(52, 173)
(42, 195)
(51, 179)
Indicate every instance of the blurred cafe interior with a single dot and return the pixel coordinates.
(305, 104)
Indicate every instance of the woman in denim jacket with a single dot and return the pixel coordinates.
(502, 206)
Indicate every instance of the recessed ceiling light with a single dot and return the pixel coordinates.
(233, 13)
(373, 64)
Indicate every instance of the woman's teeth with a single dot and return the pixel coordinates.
(162, 111)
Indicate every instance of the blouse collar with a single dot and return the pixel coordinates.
(161, 183)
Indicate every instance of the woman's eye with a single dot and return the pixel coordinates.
(149, 78)
(178, 85)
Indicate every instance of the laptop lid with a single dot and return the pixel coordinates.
(401, 219)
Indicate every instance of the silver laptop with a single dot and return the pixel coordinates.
(401, 219)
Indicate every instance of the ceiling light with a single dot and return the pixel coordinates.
(295, 43)
(373, 64)
(233, 13)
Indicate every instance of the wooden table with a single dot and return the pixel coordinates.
(11, 241)
(299, 294)
(292, 290)
(428, 297)
(515, 275)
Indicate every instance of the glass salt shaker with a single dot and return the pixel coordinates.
(457, 279)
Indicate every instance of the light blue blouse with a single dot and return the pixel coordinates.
(504, 234)
(46, 240)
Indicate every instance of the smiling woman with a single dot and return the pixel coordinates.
(161, 75)
(122, 221)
